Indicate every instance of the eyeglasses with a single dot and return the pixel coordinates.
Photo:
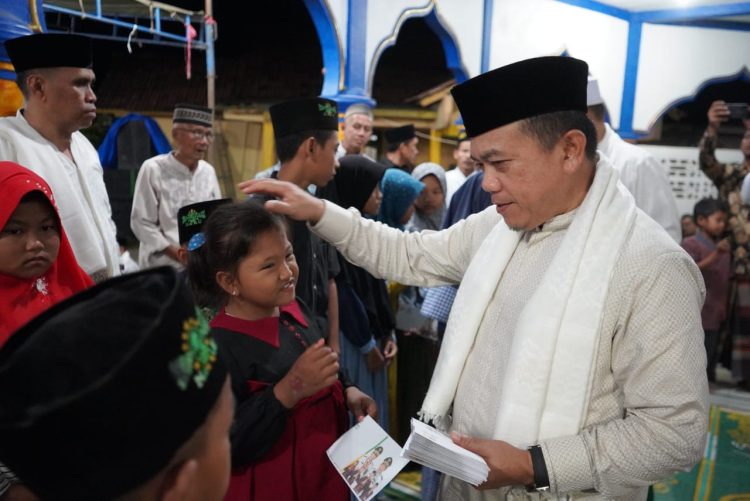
(198, 133)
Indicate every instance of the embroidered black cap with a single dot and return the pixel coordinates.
(190, 218)
(400, 134)
(306, 114)
(50, 50)
(521, 90)
(99, 392)
(192, 114)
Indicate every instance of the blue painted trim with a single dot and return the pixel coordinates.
(450, 47)
(595, 6)
(210, 59)
(486, 35)
(157, 19)
(712, 25)
(631, 78)
(355, 78)
(329, 46)
(692, 13)
(145, 41)
(117, 22)
(346, 99)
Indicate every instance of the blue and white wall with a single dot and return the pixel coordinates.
(644, 64)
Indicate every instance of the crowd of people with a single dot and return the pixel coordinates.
(534, 301)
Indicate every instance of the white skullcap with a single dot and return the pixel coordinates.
(593, 96)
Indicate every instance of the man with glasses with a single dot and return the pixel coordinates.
(170, 181)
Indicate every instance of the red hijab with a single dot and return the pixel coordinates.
(22, 299)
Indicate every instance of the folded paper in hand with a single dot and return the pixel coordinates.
(429, 447)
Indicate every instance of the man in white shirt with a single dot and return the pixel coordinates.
(573, 358)
(464, 168)
(170, 181)
(55, 77)
(357, 130)
(640, 172)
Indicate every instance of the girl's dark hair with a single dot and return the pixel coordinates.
(39, 197)
(231, 230)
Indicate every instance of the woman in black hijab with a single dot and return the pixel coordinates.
(365, 316)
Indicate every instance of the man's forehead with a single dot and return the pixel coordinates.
(494, 141)
(66, 72)
(359, 118)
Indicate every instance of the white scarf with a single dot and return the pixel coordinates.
(546, 388)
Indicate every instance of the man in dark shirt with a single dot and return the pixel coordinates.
(402, 148)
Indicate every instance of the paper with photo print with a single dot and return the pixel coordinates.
(366, 458)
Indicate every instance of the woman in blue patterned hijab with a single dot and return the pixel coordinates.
(400, 190)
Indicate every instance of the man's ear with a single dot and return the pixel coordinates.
(573, 145)
(179, 483)
(307, 147)
(35, 85)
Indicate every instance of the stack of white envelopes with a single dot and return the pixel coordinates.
(429, 447)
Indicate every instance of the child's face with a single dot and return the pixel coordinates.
(267, 276)
(30, 240)
(432, 198)
(714, 224)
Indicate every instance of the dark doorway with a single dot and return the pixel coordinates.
(684, 123)
(413, 65)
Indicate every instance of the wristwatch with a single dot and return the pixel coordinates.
(541, 478)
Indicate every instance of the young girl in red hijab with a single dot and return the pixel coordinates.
(37, 265)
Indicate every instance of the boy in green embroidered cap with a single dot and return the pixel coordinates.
(292, 399)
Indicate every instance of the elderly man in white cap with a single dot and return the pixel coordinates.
(170, 181)
(639, 171)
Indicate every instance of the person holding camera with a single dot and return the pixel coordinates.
(728, 178)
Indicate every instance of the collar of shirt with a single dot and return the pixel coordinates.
(557, 223)
(264, 329)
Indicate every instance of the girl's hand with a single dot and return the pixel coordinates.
(360, 404)
(389, 351)
(315, 369)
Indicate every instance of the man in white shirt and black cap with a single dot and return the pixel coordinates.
(573, 358)
(55, 76)
(170, 181)
(640, 172)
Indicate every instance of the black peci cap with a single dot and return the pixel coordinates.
(521, 90)
(400, 134)
(50, 50)
(306, 114)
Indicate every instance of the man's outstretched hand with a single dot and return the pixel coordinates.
(291, 200)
